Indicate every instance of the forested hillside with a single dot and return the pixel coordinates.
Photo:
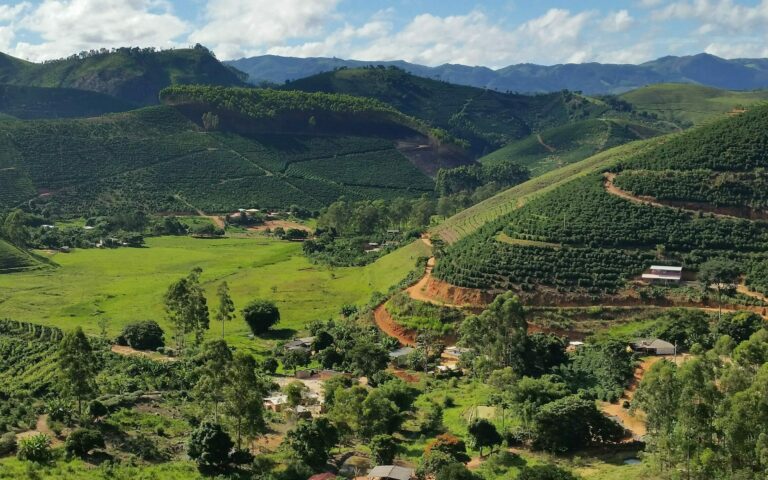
(159, 160)
(486, 118)
(559, 146)
(132, 74)
(36, 102)
(686, 105)
(588, 236)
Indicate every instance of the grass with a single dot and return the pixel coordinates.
(127, 285)
(694, 104)
(13, 469)
(471, 219)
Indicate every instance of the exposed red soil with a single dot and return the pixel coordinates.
(388, 325)
(132, 352)
(284, 224)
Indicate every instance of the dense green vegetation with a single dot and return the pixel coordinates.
(685, 104)
(486, 118)
(135, 75)
(26, 102)
(13, 259)
(156, 160)
(555, 147)
(580, 237)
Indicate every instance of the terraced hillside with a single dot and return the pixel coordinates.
(687, 105)
(131, 74)
(580, 237)
(487, 119)
(559, 146)
(36, 102)
(13, 259)
(163, 161)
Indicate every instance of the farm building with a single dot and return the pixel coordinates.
(391, 472)
(662, 273)
(397, 357)
(653, 346)
(304, 343)
(276, 403)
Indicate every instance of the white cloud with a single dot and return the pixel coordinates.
(714, 15)
(649, 3)
(471, 39)
(69, 26)
(11, 12)
(737, 50)
(617, 21)
(243, 27)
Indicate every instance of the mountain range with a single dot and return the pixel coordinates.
(589, 78)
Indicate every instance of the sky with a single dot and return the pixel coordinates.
(492, 33)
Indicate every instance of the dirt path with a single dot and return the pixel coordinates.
(284, 224)
(634, 423)
(132, 352)
(746, 291)
(549, 148)
(388, 325)
(41, 426)
(611, 188)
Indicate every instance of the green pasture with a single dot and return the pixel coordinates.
(127, 284)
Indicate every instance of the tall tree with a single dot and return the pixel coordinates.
(226, 309)
(214, 373)
(499, 333)
(244, 395)
(187, 308)
(15, 230)
(724, 275)
(77, 367)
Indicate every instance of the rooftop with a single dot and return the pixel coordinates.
(391, 471)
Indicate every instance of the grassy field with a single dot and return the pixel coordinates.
(693, 104)
(469, 220)
(10, 468)
(126, 285)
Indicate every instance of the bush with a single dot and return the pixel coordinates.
(146, 335)
(545, 472)
(7, 443)
(36, 448)
(210, 445)
(82, 441)
(261, 315)
(97, 409)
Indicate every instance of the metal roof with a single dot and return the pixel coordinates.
(391, 471)
(663, 267)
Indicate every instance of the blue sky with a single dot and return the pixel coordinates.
(491, 33)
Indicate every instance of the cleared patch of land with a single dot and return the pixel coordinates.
(127, 285)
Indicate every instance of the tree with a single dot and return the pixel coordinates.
(295, 392)
(243, 396)
(724, 275)
(429, 344)
(312, 441)
(295, 358)
(213, 375)
(146, 335)
(432, 421)
(187, 308)
(83, 440)
(379, 415)
(450, 445)
(530, 394)
(77, 367)
(545, 472)
(383, 449)
(261, 315)
(483, 434)
(367, 357)
(500, 333)
(226, 309)
(571, 423)
(739, 326)
(210, 446)
(15, 229)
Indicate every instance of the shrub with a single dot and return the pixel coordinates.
(82, 441)
(97, 409)
(7, 443)
(36, 448)
(261, 315)
(545, 472)
(210, 445)
(146, 335)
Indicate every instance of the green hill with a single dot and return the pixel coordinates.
(37, 102)
(263, 151)
(566, 144)
(14, 260)
(487, 119)
(686, 104)
(131, 74)
(583, 238)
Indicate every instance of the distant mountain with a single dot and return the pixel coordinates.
(487, 119)
(131, 74)
(590, 78)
